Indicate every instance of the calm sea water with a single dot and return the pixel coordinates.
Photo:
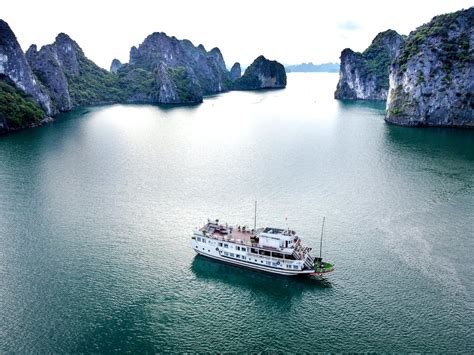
(97, 209)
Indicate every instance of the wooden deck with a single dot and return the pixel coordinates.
(235, 235)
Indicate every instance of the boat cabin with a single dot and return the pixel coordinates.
(277, 238)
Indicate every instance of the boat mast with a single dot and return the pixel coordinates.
(321, 242)
(255, 218)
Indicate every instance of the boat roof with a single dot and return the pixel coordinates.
(276, 233)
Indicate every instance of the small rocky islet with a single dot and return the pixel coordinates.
(40, 84)
(426, 78)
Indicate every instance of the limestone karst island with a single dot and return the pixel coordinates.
(251, 177)
(426, 78)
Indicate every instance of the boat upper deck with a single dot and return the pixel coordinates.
(240, 235)
(249, 237)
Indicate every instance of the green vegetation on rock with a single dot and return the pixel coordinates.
(365, 76)
(262, 74)
(93, 85)
(378, 58)
(452, 48)
(16, 108)
(432, 77)
(183, 83)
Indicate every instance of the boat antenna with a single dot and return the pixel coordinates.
(321, 242)
(255, 218)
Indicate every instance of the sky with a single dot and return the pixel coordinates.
(290, 31)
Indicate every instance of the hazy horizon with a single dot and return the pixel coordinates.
(281, 30)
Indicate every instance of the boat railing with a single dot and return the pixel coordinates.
(300, 252)
(239, 241)
(231, 240)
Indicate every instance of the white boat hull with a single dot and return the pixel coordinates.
(255, 262)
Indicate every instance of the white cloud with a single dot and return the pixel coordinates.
(288, 31)
(348, 25)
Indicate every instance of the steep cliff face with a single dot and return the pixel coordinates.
(161, 70)
(235, 72)
(364, 76)
(70, 77)
(13, 65)
(115, 66)
(262, 74)
(193, 71)
(432, 80)
(48, 68)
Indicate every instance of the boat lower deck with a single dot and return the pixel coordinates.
(254, 266)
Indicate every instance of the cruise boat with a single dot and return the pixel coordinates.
(274, 250)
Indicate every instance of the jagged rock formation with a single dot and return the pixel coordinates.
(364, 76)
(115, 66)
(189, 72)
(161, 70)
(70, 77)
(235, 72)
(48, 68)
(262, 74)
(432, 80)
(13, 65)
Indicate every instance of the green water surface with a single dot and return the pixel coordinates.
(97, 210)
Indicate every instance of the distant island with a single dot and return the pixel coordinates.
(426, 78)
(312, 68)
(41, 83)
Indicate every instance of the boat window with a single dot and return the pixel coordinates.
(295, 266)
(264, 252)
(289, 257)
(237, 255)
(277, 255)
(252, 250)
(226, 245)
(231, 254)
(243, 257)
(220, 244)
(243, 249)
(226, 253)
(198, 239)
(238, 248)
(203, 240)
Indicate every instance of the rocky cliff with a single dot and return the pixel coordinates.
(188, 72)
(48, 68)
(115, 66)
(70, 77)
(364, 76)
(432, 80)
(162, 70)
(14, 67)
(235, 72)
(262, 74)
